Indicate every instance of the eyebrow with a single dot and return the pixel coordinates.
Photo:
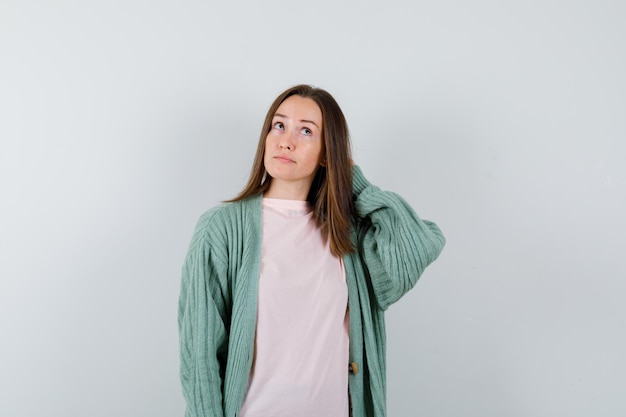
(303, 120)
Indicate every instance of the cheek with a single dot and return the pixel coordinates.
(268, 144)
(315, 155)
(271, 141)
(320, 151)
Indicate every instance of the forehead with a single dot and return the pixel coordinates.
(300, 109)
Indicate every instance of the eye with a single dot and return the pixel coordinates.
(306, 131)
(279, 126)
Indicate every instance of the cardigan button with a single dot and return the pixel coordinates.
(353, 368)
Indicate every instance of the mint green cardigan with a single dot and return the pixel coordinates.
(218, 297)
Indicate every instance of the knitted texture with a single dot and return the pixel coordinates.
(218, 297)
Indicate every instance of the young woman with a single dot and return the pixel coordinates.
(284, 287)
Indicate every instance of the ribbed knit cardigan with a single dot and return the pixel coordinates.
(218, 298)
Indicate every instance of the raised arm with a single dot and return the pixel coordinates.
(394, 243)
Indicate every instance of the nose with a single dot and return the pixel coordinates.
(288, 142)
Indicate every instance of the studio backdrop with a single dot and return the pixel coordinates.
(121, 122)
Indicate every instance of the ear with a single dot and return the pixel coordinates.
(323, 162)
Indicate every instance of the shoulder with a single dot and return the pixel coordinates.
(218, 222)
(218, 215)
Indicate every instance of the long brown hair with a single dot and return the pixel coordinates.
(330, 194)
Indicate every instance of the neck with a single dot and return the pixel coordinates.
(287, 191)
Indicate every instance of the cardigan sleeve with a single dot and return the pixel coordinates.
(201, 323)
(395, 244)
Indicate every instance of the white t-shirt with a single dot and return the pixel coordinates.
(300, 363)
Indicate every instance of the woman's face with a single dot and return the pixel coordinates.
(293, 148)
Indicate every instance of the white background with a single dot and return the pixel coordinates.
(121, 121)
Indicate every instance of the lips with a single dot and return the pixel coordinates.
(283, 159)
